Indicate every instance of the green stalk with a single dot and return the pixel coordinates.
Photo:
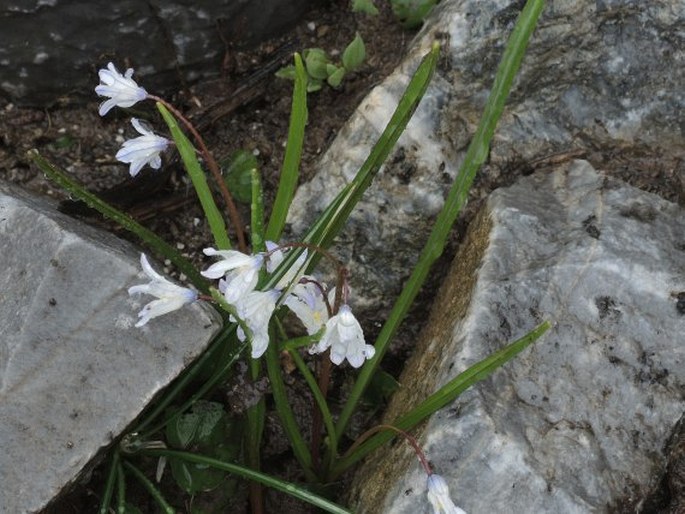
(150, 487)
(121, 490)
(249, 474)
(293, 152)
(318, 397)
(109, 483)
(285, 413)
(257, 413)
(475, 156)
(198, 178)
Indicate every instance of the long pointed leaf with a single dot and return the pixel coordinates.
(124, 220)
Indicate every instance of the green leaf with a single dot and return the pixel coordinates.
(335, 78)
(444, 396)
(381, 388)
(354, 54)
(364, 6)
(205, 428)
(411, 13)
(287, 72)
(201, 426)
(238, 168)
(315, 60)
(290, 171)
(198, 178)
(294, 490)
(156, 243)
(314, 85)
(456, 198)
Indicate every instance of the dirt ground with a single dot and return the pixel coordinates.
(254, 108)
(247, 108)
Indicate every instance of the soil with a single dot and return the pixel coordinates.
(246, 109)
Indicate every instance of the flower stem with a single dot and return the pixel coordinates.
(214, 169)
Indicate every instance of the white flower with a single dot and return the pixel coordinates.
(142, 150)
(439, 496)
(122, 90)
(241, 272)
(275, 259)
(170, 296)
(255, 309)
(345, 338)
(308, 304)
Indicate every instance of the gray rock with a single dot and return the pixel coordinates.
(600, 78)
(577, 422)
(74, 372)
(52, 48)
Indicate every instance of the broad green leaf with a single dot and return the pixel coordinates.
(354, 54)
(239, 166)
(316, 60)
(411, 13)
(287, 72)
(365, 6)
(335, 78)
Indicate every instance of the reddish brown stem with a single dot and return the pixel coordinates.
(215, 171)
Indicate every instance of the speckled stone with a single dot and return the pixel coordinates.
(600, 78)
(52, 48)
(74, 372)
(579, 421)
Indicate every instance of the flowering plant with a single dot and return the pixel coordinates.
(257, 285)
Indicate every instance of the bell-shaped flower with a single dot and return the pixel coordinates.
(255, 310)
(439, 496)
(275, 259)
(142, 150)
(122, 90)
(241, 272)
(345, 338)
(170, 297)
(307, 302)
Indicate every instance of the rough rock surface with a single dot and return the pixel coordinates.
(579, 421)
(74, 371)
(53, 47)
(601, 79)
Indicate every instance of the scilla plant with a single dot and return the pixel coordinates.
(255, 285)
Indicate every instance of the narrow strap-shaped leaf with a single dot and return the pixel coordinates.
(147, 484)
(156, 243)
(475, 156)
(257, 214)
(443, 396)
(285, 413)
(199, 180)
(293, 152)
(249, 474)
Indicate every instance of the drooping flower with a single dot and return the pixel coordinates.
(142, 150)
(122, 90)
(170, 297)
(276, 258)
(255, 309)
(308, 304)
(439, 496)
(241, 272)
(345, 338)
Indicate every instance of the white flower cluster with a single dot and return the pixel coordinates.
(123, 91)
(238, 274)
